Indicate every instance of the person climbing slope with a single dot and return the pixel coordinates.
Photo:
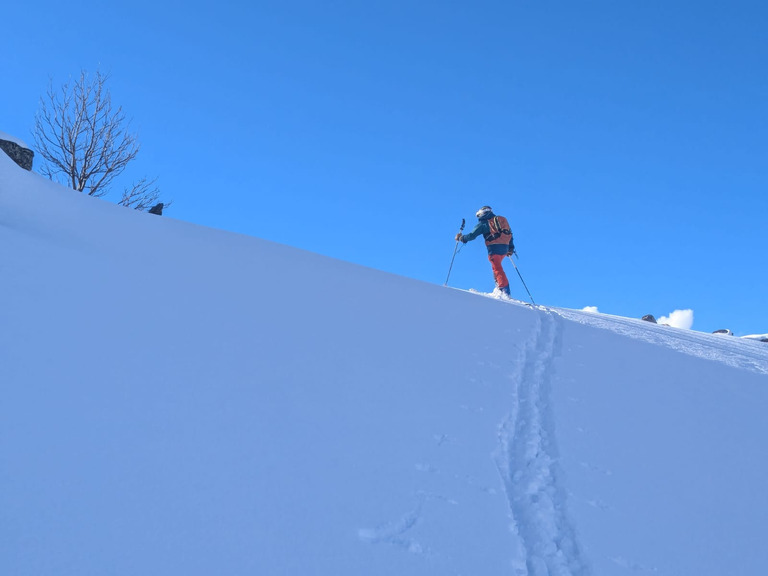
(498, 240)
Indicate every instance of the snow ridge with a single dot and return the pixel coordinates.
(739, 353)
(527, 458)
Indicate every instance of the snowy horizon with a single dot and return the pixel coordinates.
(676, 319)
(9, 138)
(177, 402)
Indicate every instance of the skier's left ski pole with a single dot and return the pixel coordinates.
(456, 249)
(521, 279)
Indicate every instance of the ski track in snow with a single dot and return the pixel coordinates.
(527, 462)
(395, 533)
(545, 542)
(737, 352)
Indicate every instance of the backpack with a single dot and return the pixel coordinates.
(500, 232)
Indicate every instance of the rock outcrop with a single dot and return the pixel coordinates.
(17, 151)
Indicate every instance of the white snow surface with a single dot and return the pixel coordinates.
(756, 336)
(183, 400)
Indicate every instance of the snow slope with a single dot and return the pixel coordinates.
(182, 400)
(760, 337)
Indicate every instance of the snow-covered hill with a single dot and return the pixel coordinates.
(182, 400)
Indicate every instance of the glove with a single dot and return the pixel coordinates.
(458, 237)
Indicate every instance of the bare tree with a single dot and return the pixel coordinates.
(141, 195)
(83, 140)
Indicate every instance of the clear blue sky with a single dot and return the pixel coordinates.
(627, 142)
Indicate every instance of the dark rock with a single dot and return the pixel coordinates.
(22, 156)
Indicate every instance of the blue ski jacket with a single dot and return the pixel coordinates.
(484, 228)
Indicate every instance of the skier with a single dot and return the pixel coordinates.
(498, 240)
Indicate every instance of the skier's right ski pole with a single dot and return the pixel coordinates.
(454, 254)
(521, 279)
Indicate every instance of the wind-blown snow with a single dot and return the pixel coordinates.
(181, 400)
(763, 337)
(678, 319)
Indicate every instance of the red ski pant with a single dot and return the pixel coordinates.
(498, 271)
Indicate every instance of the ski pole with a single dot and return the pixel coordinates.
(454, 254)
(521, 279)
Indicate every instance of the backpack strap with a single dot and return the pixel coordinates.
(496, 229)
